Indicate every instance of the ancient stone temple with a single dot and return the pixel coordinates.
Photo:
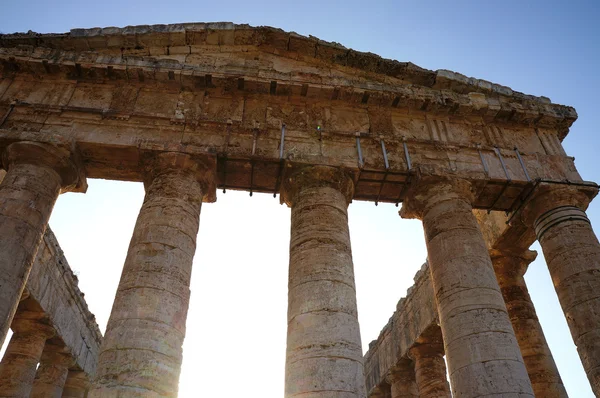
(191, 108)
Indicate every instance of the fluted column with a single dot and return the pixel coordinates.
(51, 374)
(18, 366)
(430, 370)
(572, 253)
(76, 385)
(141, 351)
(36, 174)
(480, 345)
(543, 373)
(402, 380)
(324, 354)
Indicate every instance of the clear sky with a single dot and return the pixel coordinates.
(237, 321)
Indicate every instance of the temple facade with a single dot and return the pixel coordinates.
(191, 108)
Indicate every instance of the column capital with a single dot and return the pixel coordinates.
(426, 191)
(549, 196)
(57, 358)
(403, 371)
(63, 161)
(77, 380)
(426, 350)
(379, 392)
(297, 178)
(203, 167)
(512, 265)
(32, 326)
(25, 295)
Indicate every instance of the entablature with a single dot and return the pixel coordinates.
(261, 98)
(238, 58)
(112, 124)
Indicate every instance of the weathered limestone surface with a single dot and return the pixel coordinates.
(76, 385)
(402, 380)
(52, 373)
(260, 99)
(382, 391)
(415, 315)
(543, 373)
(430, 368)
(141, 352)
(52, 292)
(417, 319)
(324, 354)
(35, 175)
(18, 366)
(480, 345)
(54, 288)
(572, 253)
(117, 93)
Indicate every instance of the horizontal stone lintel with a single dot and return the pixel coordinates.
(415, 315)
(223, 35)
(54, 287)
(249, 159)
(208, 74)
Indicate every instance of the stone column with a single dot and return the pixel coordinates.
(381, 391)
(572, 253)
(430, 370)
(141, 351)
(542, 370)
(51, 374)
(76, 385)
(480, 345)
(402, 380)
(324, 354)
(18, 367)
(36, 174)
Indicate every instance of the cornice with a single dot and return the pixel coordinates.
(159, 52)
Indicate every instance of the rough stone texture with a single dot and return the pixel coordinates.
(429, 365)
(51, 373)
(128, 49)
(76, 385)
(381, 391)
(324, 354)
(430, 370)
(414, 317)
(191, 88)
(53, 287)
(52, 291)
(402, 380)
(141, 352)
(35, 175)
(119, 95)
(543, 373)
(572, 254)
(18, 366)
(480, 345)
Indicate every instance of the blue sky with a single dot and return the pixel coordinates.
(549, 48)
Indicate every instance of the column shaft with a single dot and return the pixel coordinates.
(51, 374)
(141, 352)
(572, 254)
(381, 391)
(18, 366)
(402, 380)
(27, 196)
(76, 385)
(324, 354)
(430, 370)
(479, 342)
(542, 370)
